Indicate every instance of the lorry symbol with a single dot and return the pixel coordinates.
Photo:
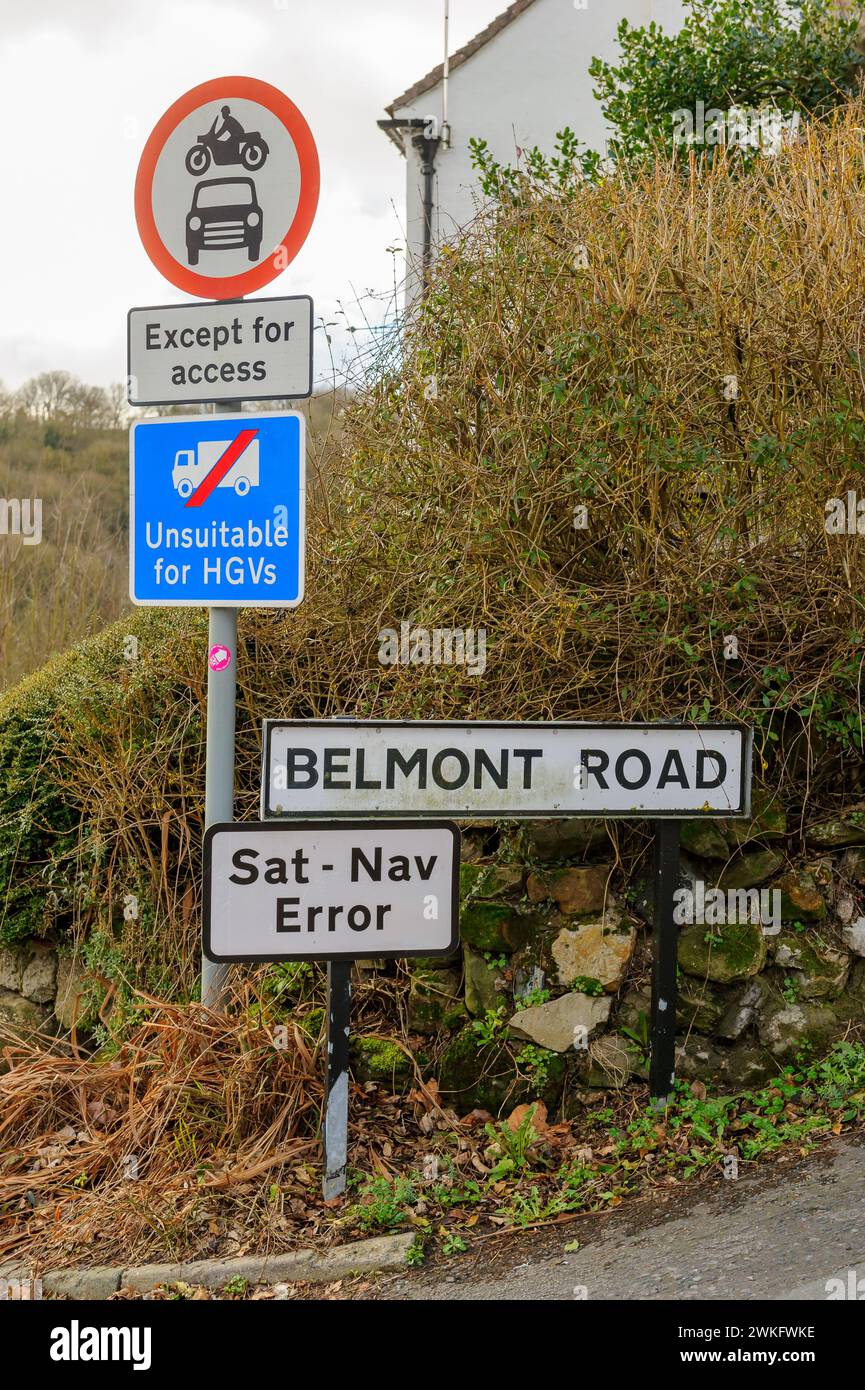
(191, 467)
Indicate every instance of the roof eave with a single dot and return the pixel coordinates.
(391, 131)
(461, 56)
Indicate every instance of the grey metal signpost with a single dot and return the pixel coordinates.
(219, 757)
(190, 229)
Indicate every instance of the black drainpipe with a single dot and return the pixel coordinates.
(427, 148)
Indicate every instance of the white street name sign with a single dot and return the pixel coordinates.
(485, 770)
(255, 349)
(330, 890)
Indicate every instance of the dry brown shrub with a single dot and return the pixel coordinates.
(556, 385)
(142, 1155)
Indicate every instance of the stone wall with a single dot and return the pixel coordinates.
(41, 988)
(557, 948)
(548, 994)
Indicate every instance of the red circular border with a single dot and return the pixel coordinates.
(228, 286)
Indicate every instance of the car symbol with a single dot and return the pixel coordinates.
(225, 214)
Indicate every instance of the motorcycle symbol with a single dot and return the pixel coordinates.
(230, 144)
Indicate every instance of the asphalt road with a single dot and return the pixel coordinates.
(778, 1239)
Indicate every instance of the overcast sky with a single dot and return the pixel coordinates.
(83, 82)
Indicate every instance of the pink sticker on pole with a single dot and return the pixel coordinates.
(219, 658)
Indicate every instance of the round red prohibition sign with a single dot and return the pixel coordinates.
(227, 187)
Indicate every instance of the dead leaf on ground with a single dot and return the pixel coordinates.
(538, 1112)
(476, 1117)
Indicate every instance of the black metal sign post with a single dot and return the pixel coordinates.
(332, 891)
(662, 1053)
(336, 1093)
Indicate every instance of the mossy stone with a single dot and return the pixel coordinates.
(768, 820)
(448, 962)
(490, 880)
(801, 899)
(700, 1005)
(839, 831)
(434, 1001)
(22, 1016)
(704, 838)
(733, 951)
(487, 1078)
(751, 870)
(747, 1065)
(633, 1003)
(817, 972)
(13, 963)
(380, 1060)
(546, 841)
(853, 865)
(784, 1028)
(851, 1004)
(533, 965)
(493, 927)
(485, 984)
(74, 1004)
(698, 1059)
(574, 889)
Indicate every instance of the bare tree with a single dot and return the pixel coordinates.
(60, 397)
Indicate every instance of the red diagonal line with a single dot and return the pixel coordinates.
(222, 466)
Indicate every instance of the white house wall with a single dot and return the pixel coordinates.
(517, 91)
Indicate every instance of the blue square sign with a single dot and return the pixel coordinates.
(217, 511)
